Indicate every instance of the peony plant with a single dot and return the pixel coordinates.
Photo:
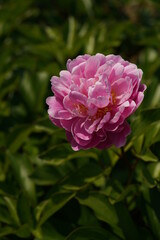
(93, 99)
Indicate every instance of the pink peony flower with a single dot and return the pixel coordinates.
(93, 98)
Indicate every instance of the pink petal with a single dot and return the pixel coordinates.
(55, 106)
(116, 114)
(142, 87)
(74, 107)
(101, 58)
(74, 144)
(116, 73)
(72, 63)
(118, 138)
(130, 68)
(60, 86)
(94, 142)
(78, 97)
(115, 59)
(114, 122)
(55, 122)
(122, 89)
(79, 70)
(104, 69)
(91, 66)
(104, 120)
(99, 95)
(106, 143)
(56, 109)
(139, 99)
(63, 114)
(79, 131)
(67, 124)
(66, 75)
(127, 108)
(90, 125)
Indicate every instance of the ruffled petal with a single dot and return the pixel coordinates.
(104, 121)
(59, 86)
(122, 90)
(67, 124)
(74, 144)
(74, 107)
(116, 73)
(118, 138)
(91, 66)
(99, 95)
(72, 63)
(91, 125)
(81, 136)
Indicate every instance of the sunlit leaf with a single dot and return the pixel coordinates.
(103, 210)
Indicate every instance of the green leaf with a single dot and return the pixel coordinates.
(47, 129)
(12, 207)
(25, 211)
(46, 175)
(153, 219)
(24, 231)
(34, 33)
(91, 233)
(126, 223)
(144, 119)
(103, 209)
(83, 176)
(12, 20)
(87, 218)
(50, 233)
(138, 144)
(71, 32)
(18, 136)
(144, 176)
(50, 206)
(56, 157)
(22, 169)
(127, 191)
(56, 154)
(148, 156)
(5, 216)
(33, 92)
(152, 135)
(6, 231)
(88, 5)
(154, 170)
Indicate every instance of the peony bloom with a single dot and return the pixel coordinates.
(93, 98)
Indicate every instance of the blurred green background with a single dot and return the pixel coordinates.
(47, 191)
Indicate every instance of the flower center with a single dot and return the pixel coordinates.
(82, 109)
(113, 97)
(101, 112)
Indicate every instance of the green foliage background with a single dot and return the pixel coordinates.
(47, 191)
